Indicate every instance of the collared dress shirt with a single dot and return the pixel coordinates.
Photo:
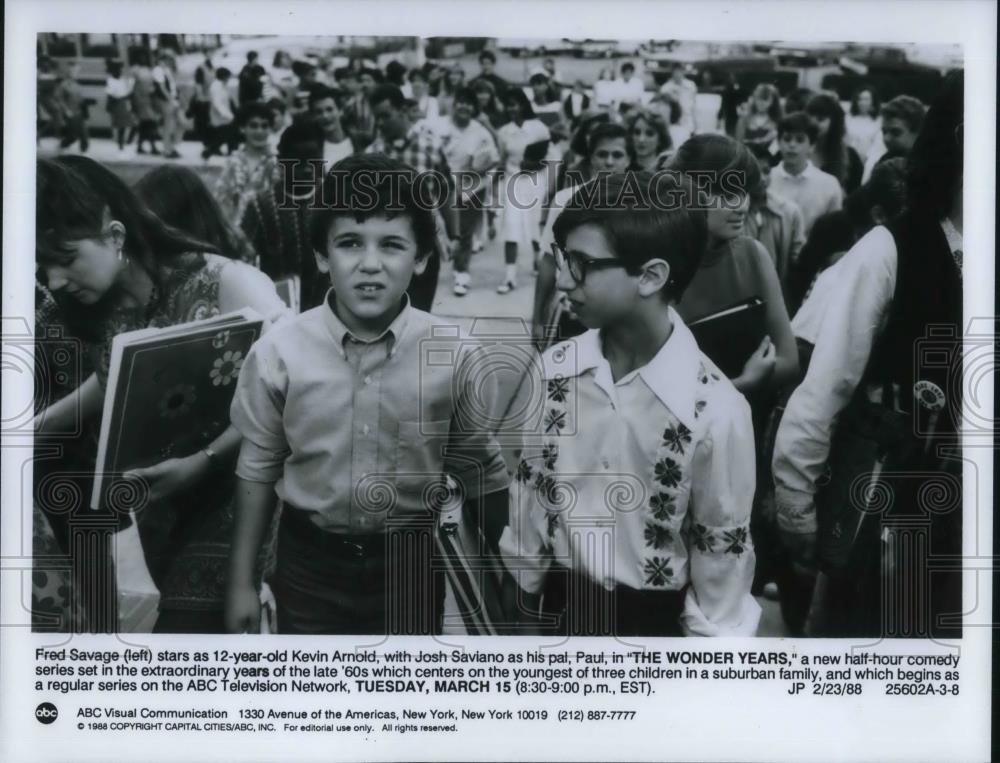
(813, 191)
(362, 433)
(645, 482)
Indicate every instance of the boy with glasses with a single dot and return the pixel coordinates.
(630, 509)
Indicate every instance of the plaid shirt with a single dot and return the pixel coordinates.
(421, 149)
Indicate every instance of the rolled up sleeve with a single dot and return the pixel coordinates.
(256, 412)
(718, 600)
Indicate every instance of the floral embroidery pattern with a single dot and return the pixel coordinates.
(557, 389)
(545, 486)
(699, 406)
(668, 472)
(702, 538)
(737, 540)
(658, 571)
(555, 420)
(226, 368)
(551, 523)
(663, 506)
(677, 437)
(524, 472)
(550, 452)
(657, 536)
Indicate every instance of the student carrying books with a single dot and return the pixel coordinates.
(631, 503)
(114, 267)
(736, 268)
(334, 426)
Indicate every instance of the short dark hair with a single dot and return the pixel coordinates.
(389, 93)
(344, 72)
(251, 55)
(297, 133)
(516, 95)
(254, 109)
(644, 229)
(721, 156)
(538, 79)
(628, 66)
(609, 131)
(321, 93)
(487, 55)
(391, 188)
(223, 73)
(416, 74)
(906, 109)
(467, 95)
(798, 123)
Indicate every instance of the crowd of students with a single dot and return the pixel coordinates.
(737, 484)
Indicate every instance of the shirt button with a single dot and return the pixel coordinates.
(366, 429)
(368, 380)
(606, 464)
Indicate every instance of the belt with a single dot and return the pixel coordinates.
(356, 545)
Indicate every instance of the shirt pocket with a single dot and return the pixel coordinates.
(418, 466)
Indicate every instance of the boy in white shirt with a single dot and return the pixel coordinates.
(797, 179)
(631, 504)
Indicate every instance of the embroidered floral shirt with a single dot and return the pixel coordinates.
(645, 482)
(244, 176)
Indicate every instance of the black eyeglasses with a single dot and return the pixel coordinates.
(579, 264)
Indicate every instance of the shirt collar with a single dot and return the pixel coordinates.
(672, 374)
(341, 334)
(809, 171)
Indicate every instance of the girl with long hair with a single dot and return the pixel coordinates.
(759, 117)
(180, 198)
(114, 267)
(650, 139)
(831, 152)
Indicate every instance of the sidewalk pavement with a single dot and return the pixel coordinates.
(130, 165)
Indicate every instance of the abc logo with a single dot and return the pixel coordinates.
(46, 713)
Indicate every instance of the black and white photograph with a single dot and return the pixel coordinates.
(560, 343)
(685, 476)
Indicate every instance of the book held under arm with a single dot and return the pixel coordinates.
(731, 335)
(168, 395)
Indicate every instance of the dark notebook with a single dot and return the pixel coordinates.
(731, 335)
(168, 395)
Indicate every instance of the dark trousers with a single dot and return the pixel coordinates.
(190, 621)
(75, 129)
(469, 218)
(223, 134)
(574, 605)
(423, 287)
(327, 583)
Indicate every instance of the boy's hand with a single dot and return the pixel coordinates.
(242, 610)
